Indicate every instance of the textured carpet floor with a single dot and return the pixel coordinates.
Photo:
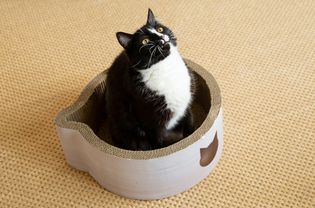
(262, 54)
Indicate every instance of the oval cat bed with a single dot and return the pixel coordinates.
(153, 174)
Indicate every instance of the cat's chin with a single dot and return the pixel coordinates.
(160, 57)
(166, 50)
(165, 53)
(166, 47)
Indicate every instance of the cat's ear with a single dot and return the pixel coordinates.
(124, 39)
(151, 19)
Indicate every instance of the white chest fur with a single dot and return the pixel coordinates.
(170, 78)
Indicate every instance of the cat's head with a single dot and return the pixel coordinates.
(148, 45)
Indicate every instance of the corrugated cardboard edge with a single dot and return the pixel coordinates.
(215, 95)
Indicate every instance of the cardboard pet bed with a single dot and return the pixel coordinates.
(153, 174)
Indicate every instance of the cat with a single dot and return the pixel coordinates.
(149, 90)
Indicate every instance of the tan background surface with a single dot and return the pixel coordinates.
(262, 54)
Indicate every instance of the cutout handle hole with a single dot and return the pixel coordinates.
(207, 154)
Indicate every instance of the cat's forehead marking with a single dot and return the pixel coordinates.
(165, 37)
(152, 30)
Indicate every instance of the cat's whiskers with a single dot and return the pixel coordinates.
(135, 64)
(151, 56)
(159, 48)
(151, 48)
(144, 46)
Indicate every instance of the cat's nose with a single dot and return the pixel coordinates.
(161, 42)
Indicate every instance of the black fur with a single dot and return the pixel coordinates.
(137, 116)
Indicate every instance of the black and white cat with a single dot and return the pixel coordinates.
(149, 90)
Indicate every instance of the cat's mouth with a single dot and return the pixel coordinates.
(164, 50)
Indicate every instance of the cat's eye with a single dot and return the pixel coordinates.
(160, 29)
(145, 41)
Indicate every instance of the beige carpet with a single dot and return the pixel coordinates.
(262, 54)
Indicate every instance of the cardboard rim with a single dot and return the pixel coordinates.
(215, 96)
